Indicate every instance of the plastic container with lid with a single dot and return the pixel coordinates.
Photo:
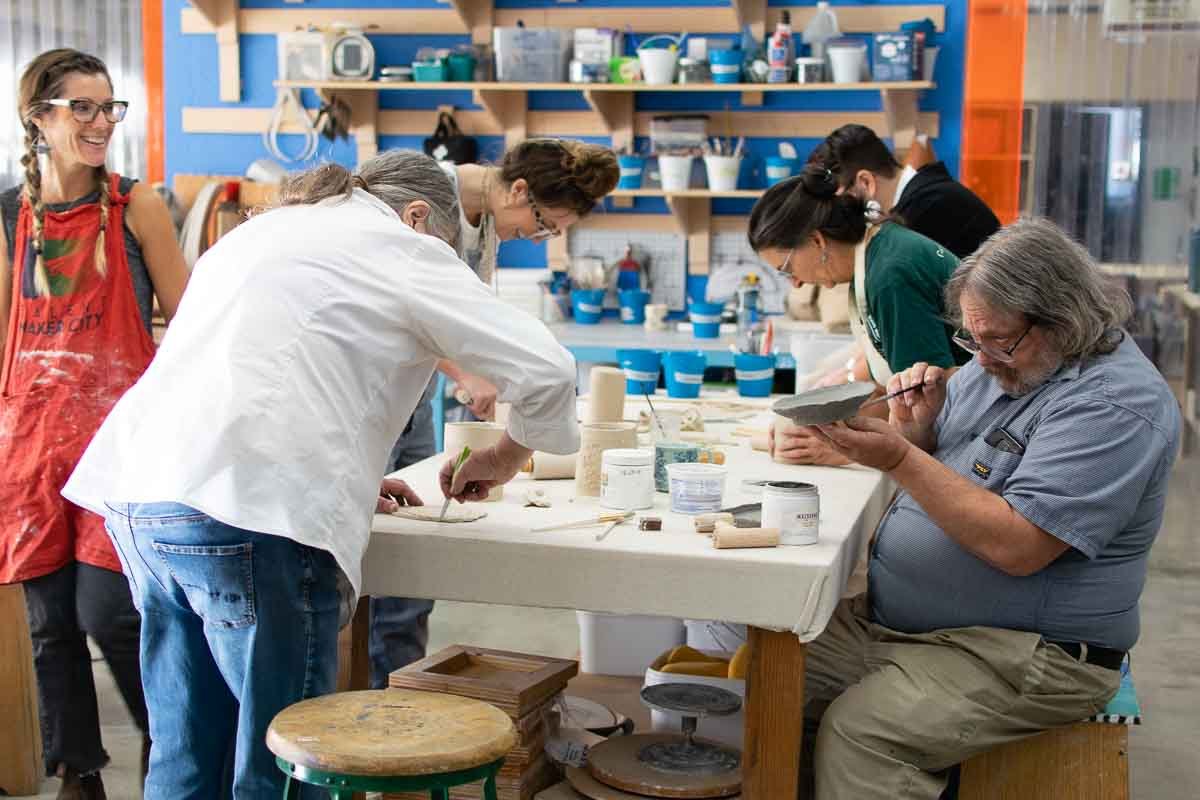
(696, 488)
(627, 479)
(795, 509)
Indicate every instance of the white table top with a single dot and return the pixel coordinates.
(675, 572)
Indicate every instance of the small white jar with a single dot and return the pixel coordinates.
(627, 479)
(795, 509)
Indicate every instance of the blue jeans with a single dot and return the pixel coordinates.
(236, 626)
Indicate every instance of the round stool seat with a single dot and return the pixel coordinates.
(391, 733)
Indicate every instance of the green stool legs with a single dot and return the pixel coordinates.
(343, 787)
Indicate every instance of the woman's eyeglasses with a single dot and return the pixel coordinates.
(543, 231)
(84, 110)
(1004, 355)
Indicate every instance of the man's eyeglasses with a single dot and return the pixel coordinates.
(543, 231)
(963, 339)
(84, 110)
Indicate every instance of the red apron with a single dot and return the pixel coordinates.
(68, 358)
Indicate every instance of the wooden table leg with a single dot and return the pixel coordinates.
(354, 659)
(774, 716)
(20, 736)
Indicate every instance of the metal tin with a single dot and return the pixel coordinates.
(692, 70)
(627, 479)
(795, 509)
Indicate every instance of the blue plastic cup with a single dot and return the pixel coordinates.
(706, 319)
(588, 305)
(725, 65)
(685, 373)
(779, 169)
(632, 169)
(755, 374)
(641, 370)
(633, 305)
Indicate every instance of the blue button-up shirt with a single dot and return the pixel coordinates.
(1087, 461)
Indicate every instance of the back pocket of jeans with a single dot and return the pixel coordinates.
(218, 580)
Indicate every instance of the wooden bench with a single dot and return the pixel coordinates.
(1085, 761)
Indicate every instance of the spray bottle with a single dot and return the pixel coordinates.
(779, 51)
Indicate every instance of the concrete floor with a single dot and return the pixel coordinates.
(1165, 663)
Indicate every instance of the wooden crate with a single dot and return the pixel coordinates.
(1086, 761)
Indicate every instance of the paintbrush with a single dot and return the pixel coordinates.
(462, 458)
(661, 430)
(887, 397)
(617, 516)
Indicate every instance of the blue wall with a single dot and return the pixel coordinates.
(190, 64)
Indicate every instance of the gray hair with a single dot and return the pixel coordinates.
(397, 177)
(1034, 269)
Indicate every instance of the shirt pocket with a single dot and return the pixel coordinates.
(217, 579)
(989, 467)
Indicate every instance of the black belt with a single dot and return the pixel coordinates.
(1100, 656)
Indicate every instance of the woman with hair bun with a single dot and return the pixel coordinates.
(539, 189)
(809, 230)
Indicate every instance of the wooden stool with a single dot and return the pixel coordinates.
(391, 740)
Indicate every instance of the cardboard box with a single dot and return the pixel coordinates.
(894, 57)
(598, 45)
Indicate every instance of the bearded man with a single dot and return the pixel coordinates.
(1004, 580)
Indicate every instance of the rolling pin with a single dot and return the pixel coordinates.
(548, 466)
(727, 537)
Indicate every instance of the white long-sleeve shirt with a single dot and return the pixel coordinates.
(301, 347)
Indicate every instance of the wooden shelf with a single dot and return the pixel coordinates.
(495, 86)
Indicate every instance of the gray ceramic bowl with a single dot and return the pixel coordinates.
(825, 405)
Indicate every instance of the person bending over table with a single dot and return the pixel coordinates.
(807, 229)
(540, 188)
(1004, 580)
(239, 475)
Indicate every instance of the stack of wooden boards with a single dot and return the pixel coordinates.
(523, 686)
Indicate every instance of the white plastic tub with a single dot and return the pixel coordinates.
(847, 61)
(726, 730)
(620, 644)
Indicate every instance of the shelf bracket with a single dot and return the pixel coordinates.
(222, 15)
(476, 16)
(364, 118)
(903, 116)
(693, 216)
(507, 110)
(615, 110)
(752, 13)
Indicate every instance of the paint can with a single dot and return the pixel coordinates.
(627, 479)
(795, 509)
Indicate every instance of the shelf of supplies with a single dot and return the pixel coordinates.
(497, 86)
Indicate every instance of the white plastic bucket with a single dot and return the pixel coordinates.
(848, 62)
(624, 644)
(722, 172)
(658, 64)
(676, 172)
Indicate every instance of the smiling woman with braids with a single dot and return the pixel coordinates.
(82, 253)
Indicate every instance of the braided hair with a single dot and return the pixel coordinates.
(42, 81)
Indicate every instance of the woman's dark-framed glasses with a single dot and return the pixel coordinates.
(84, 110)
(544, 231)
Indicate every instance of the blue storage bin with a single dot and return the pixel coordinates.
(725, 65)
(632, 169)
(706, 319)
(755, 374)
(429, 71)
(588, 305)
(633, 305)
(641, 370)
(779, 169)
(685, 373)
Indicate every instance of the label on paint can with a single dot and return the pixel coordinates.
(795, 509)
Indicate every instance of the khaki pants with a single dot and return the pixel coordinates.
(901, 709)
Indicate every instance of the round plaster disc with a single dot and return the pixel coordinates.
(620, 762)
(825, 405)
(589, 715)
(691, 699)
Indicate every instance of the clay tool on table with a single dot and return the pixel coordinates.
(602, 534)
(462, 459)
(661, 430)
(617, 516)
